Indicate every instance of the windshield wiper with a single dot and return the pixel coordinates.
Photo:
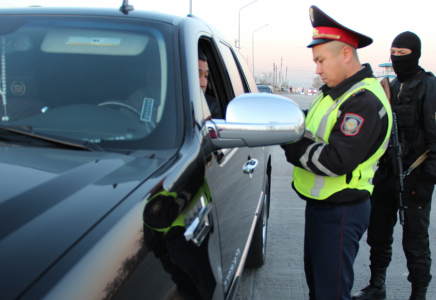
(67, 142)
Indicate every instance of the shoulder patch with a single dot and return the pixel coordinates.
(351, 124)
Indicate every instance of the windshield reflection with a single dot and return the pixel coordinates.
(90, 79)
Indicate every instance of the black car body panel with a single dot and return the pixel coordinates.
(54, 198)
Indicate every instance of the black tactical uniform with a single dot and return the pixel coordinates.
(413, 98)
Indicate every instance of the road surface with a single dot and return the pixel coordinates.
(282, 277)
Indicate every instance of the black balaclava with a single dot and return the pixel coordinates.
(406, 66)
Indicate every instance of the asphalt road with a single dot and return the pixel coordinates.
(282, 276)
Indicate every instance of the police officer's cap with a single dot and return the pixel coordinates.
(325, 30)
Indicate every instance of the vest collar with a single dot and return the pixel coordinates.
(345, 85)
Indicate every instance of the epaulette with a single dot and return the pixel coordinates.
(361, 91)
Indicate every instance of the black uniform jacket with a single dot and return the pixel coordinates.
(414, 103)
(344, 152)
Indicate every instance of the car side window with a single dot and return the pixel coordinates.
(219, 85)
(232, 69)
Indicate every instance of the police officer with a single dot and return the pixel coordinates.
(414, 102)
(347, 130)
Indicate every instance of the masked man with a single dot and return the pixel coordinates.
(414, 102)
(347, 131)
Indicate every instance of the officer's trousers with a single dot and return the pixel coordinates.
(331, 243)
(416, 245)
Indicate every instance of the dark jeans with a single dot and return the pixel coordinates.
(331, 243)
(384, 208)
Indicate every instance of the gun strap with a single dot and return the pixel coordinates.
(387, 88)
(417, 162)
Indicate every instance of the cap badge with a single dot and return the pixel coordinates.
(317, 35)
(311, 14)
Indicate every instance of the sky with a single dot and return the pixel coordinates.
(288, 29)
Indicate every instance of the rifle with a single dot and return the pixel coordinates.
(398, 161)
(399, 165)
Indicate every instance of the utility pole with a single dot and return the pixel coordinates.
(239, 25)
(252, 44)
(275, 79)
(274, 75)
(286, 76)
(277, 75)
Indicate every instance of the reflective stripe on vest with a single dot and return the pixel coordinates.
(323, 125)
(322, 115)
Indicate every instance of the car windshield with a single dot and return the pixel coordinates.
(263, 89)
(107, 81)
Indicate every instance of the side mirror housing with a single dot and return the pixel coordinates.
(254, 120)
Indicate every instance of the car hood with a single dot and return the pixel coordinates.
(50, 198)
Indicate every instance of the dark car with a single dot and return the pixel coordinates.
(116, 183)
(265, 89)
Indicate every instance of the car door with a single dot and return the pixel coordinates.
(235, 194)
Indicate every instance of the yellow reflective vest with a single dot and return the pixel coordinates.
(320, 120)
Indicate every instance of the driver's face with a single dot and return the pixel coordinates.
(203, 70)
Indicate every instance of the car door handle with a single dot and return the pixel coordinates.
(249, 166)
(200, 225)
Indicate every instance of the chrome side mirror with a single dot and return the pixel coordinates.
(254, 120)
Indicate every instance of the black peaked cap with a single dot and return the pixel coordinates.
(321, 19)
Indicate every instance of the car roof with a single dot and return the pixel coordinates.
(100, 12)
(111, 12)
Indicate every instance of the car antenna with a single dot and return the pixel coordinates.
(125, 8)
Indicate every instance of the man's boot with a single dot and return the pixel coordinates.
(418, 292)
(376, 290)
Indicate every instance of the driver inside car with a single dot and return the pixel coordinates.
(203, 70)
